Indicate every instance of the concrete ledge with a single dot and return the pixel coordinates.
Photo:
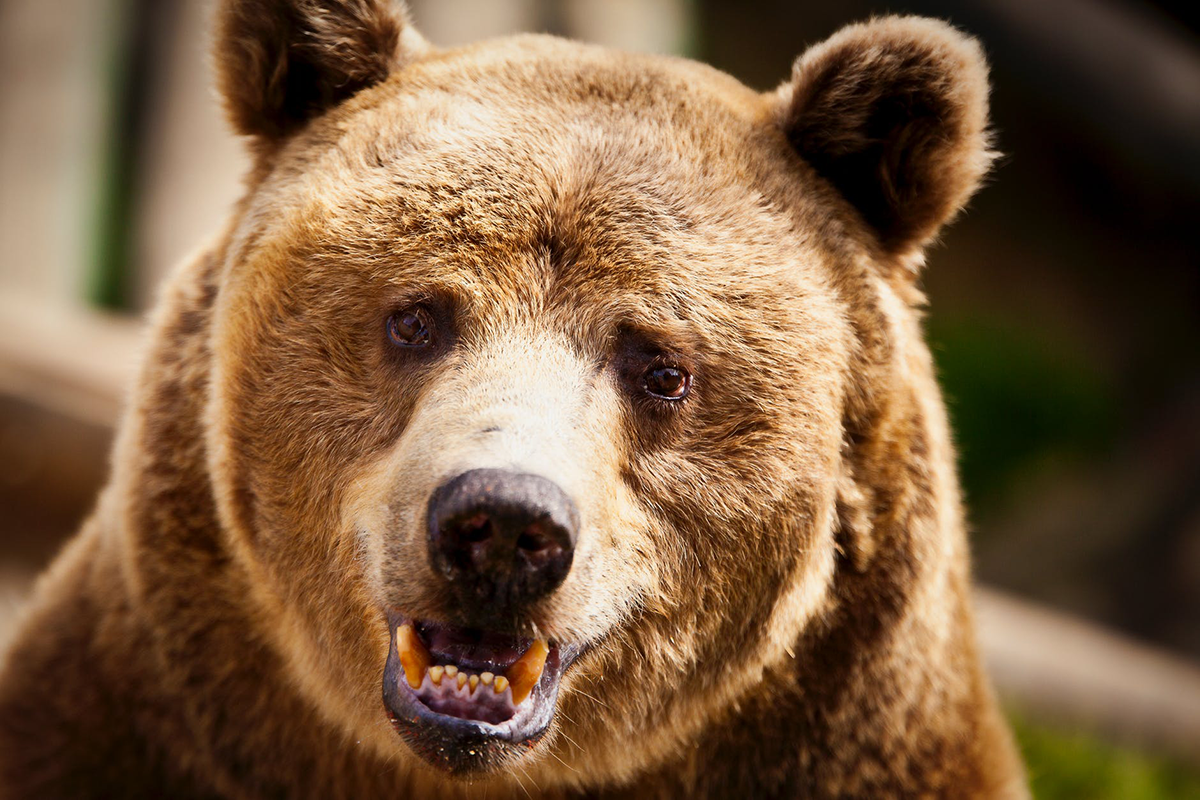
(73, 360)
(1064, 669)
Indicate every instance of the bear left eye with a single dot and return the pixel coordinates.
(409, 328)
(668, 382)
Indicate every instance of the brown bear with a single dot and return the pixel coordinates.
(546, 421)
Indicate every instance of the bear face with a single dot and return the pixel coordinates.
(477, 262)
(641, 215)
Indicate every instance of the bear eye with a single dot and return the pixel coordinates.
(668, 382)
(409, 328)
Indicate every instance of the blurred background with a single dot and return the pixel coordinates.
(1064, 312)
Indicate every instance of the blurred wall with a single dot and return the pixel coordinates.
(51, 107)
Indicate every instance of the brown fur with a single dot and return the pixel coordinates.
(772, 575)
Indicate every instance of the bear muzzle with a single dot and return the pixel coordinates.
(464, 698)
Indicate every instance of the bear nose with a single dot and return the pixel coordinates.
(502, 537)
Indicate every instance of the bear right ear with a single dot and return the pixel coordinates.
(893, 113)
(280, 63)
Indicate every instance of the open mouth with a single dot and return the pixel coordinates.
(463, 697)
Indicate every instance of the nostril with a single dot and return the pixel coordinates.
(477, 529)
(533, 540)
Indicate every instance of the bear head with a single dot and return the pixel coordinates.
(553, 387)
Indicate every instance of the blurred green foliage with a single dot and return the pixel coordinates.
(1075, 766)
(109, 278)
(1019, 399)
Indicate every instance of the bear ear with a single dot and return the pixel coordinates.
(281, 62)
(893, 112)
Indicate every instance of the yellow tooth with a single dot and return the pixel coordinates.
(413, 655)
(435, 675)
(526, 671)
(462, 680)
(474, 681)
(451, 670)
(486, 678)
(500, 685)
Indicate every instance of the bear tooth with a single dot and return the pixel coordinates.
(474, 681)
(500, 685)
(486, 678)
(414, 658)
(435, 675)
(451, 670)
(462, 680)
(526, 671)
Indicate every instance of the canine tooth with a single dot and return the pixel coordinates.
(435, 675)
(474, 681)
(526, 671)
(486, 678)
(451, 670)
(500, 685)
(414, 658)
(462, 680)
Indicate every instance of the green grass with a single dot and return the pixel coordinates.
(1075, 766)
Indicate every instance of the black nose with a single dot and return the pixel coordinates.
(501, 537)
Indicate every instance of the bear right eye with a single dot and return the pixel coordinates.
(668, 382)
(409, 328)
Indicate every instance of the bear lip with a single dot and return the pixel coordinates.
(474, 736)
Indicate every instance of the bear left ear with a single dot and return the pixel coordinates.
(280, 63)
(893, 112)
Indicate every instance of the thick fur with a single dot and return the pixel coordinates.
(894, 114)
(771, 575)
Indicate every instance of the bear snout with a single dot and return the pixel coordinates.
(502, 539)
